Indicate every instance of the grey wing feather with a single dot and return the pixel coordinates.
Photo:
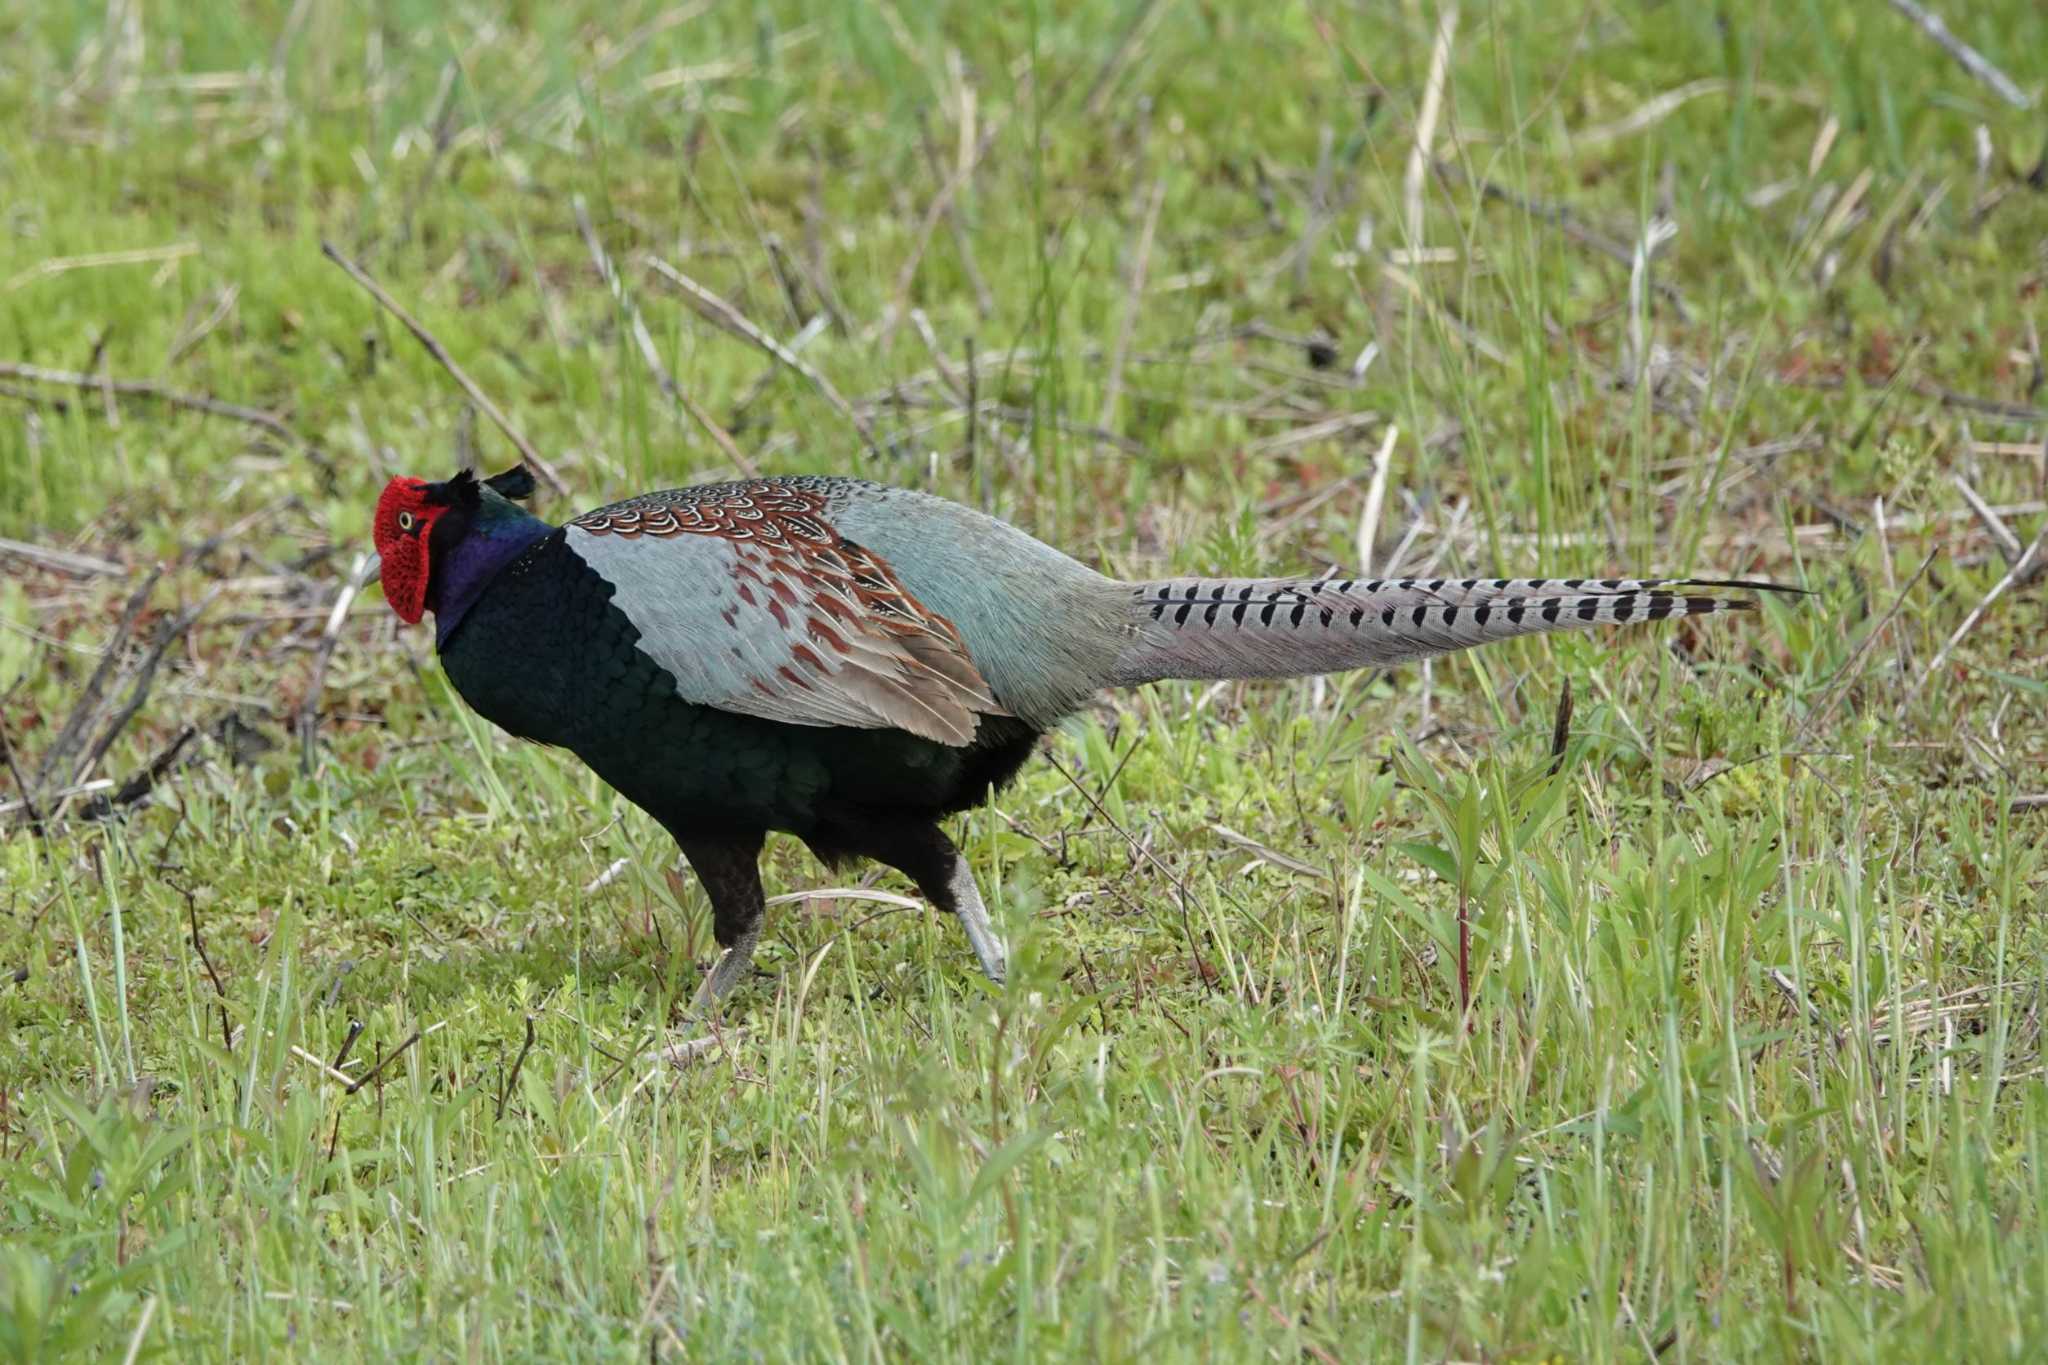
(797, 640)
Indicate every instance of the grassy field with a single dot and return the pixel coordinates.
(327, 1010)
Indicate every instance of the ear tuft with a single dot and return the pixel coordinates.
(458, 491)
(515, 483)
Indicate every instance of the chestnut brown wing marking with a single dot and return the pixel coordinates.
(753, 510)
(852, 633)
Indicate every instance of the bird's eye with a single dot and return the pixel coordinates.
(406, 521)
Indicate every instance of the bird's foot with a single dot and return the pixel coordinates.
(981, 932)
(732, 965)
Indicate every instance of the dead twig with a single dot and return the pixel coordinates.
(307, 720)
(2008, 544)
(1318, 215)
(963, 241)
(28, 796)
(1972, 60)
(220, 992)
(940, 205)
(374, 1072)
(973, 435)
(62, 561)
(1096, 101)
(1652, 111)
(670, 389)
(61, 265)
(2020, 414)
(440, 353)
(682, 1054)
(144, 675)
(1024, 417)
(87, 711)
(310, 1060)
(191, 334)
(1267, 854)
(718, 311)
(1443, 314)
(149, 389)
(940, 365)
(1187, 928)
(2018, 575)
(1561, 728)
(511, 1080)
(1984, 407)
(143, 782)
(1286, 1323)
(1562, 218)
(1847, 672)
(811, 331)
(1329, 428)
(348, 1042)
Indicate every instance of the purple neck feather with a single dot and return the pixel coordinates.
(468, 567)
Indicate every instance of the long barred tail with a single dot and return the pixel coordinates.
(1284, 627)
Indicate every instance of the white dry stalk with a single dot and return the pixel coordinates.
(68, 562)
(1653, 111)
(358, 576)
(1823, 142)
(1141, 263)
(59, 265)
(1425, 123)
(1655, 234)
(135, 1338)
(2009, 547)
(849, 893)
(606, 877)
(98, 784)
(1364, 361)
(1375, 498)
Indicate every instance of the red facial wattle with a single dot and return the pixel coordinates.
(400, 528)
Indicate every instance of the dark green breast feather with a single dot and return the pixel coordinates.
(545, 655)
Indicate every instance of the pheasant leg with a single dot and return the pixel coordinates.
(731, 967)
(730, 871)
(926, 856)
(923, 853)
(966, 903)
